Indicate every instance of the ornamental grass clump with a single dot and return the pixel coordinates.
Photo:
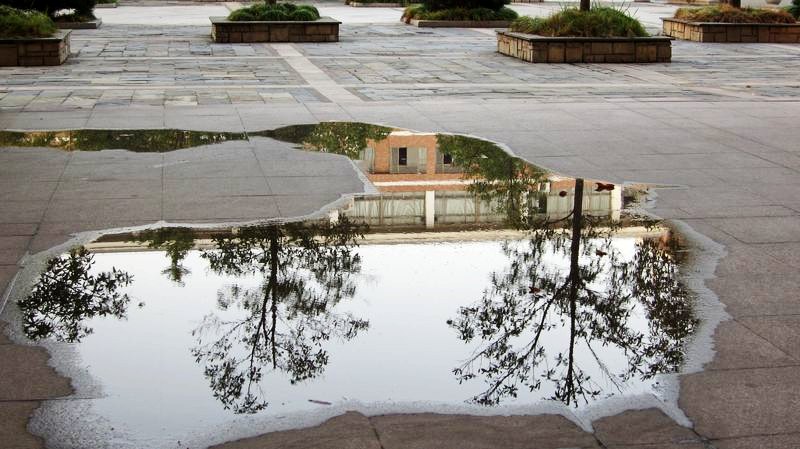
(16, 23)
(477, 10)
(599, 21)
(729, 14)
(277, 12)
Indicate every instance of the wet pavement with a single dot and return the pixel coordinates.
(718, 125)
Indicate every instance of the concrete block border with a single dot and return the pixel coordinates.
(223, 30)
(774, 33)
(90, 25)
(542, 49)
(35, 51)
(460, 23)
(375, 5)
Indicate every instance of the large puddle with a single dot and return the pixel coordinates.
(473, 281)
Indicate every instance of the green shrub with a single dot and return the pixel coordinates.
(794, 9)
(279, 12)
(421, 12)
(441, 5)
(729, 14)
(82, 8)
(18, 23)
(600, 21)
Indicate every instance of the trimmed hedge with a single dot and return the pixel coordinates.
(599, 21)
(279, 12)
(18, 23)
(729, 14)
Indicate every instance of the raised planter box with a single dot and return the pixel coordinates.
(325, 29)
(460, 23)
(37, 51)
(533, 48)
(783, 33)
(90, 25)
(375, 5)
(105, 5)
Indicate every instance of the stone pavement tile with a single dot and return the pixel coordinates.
(313, 185)
(126, 118)
(761, 230)
(7, 273)
(711, 211)
(106, 189)
(649, 426)
(302, 205)
(27, 376)
(781, 331)
(757, 295)
(119, 157)
(14, 242)
(22, 211)
(222, 208)
(61, 228)
(325, 112)
(18, 229)
(763, 176)
(683, 177)
(50, 120)
(265, 117)
(210, 187)
(112, 170)
(697, 199)
(348, 431)
(787, 253)
(26, 191)
(784, 441)
(17, 169)
(228, 122)
(14, 417)
(45, 241)
(192, 168)
(746, 402)
(752, 260)
(104, 210)
(3, 337)
(427, 430)
(736, 346)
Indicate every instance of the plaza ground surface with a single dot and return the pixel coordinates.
(719, 124)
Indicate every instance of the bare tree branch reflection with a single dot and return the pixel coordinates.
(307, 270)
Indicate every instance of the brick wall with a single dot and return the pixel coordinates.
(575, 50)
(323, 30)
(36, 51)
(730, 32)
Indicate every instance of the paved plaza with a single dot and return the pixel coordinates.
(717, 130)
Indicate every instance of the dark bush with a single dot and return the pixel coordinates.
(794, 9)
(421, 12)
(439, 5)
(599, 21)
(82, 8)
(18, 23)
(279, 12)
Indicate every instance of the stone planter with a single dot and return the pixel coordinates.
(460, 23)
(90, 25)
(533, 48)
(35, 51)
(375, 5)
(325, 29)
(732, 32)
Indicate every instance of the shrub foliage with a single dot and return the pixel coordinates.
(729, 14)
(18, 23)
(422, 12)
(599, 21)
(81, 8)
(279, 12)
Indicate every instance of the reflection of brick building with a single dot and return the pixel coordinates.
(421, 186)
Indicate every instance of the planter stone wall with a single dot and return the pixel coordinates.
(38, 51)
(375, 5)
(532, 48)
(90, 25)
(325, 29)
(732, 32)
(460, 23)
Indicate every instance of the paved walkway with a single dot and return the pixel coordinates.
(721, 121)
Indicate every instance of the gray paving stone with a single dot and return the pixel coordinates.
(785, 441)
(642, 427)
(737, 347)
(13, 422)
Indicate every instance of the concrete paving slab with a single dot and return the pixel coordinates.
(787, 441)
(782, 331)
(426, 430)
(746, 402)
(738, 346)
(349, 431)
(642, 427)
(26, 375)
(757, 295)
(13, 423)
(762, 230)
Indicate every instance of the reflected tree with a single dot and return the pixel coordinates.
(176, 243)
(67, 294)
(507, 182)
(593, 299)
(345, 138)
(306, 270)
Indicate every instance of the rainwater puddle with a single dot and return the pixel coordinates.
(473, 281)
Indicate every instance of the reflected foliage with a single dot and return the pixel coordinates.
(306, 269)
(594, 301)
(67, 294)
(176, 243)
(141, 141)
(510, 183)
(344, 138)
